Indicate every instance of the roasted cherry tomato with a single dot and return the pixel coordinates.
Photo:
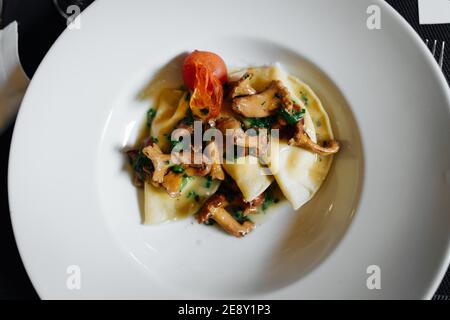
(205, 73)
(211, 61)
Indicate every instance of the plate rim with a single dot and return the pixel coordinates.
(438, 277)
(445, 264)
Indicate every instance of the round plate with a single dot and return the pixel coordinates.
(378, 227)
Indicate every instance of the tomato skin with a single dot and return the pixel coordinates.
(204, 73)
(207, 97)
(211, 61)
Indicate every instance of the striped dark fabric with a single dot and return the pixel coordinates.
(409, 9)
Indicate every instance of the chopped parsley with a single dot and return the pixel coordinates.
(209, 222)
(291, 118)
(209, 181)
(139, 162)
(193, 194)
(304, 98)
(268, 201)
(184, 181)
(265, 122)
(299, 114)
(176, 146)
(177, 168)
(151, 113)
(189, 118)
(238, 214)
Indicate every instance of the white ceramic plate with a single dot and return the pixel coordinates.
(385, 203)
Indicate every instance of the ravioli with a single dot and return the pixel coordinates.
(172, 108)
(160, 207)
(249, 175)
(298, 172)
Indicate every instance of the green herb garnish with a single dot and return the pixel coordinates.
(265, 122)
(238, 214)
(184, 181)
(139, 163)
(268, 201)
(209, 181)
(177, 168)
(304, 98)
(151, 113)
(154, 139)
(209, 222)
(176, 146)
(193, 194)
(291, 118)
(189, 118)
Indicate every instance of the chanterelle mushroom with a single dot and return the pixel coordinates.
(172, 183)
(214, 208)
(242, 86)
(231, 126)
(214, 158)
(161, 162)
(207, 165)
(251, 207)
(301, 139)
(265, 103)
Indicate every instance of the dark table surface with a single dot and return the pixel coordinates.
(39, 26)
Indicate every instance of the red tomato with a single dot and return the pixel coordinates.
(206, 99)
(211, 61)
(205, 73)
